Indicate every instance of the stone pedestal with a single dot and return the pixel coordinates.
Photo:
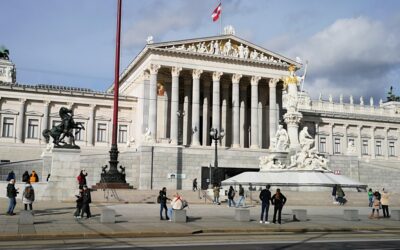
(242, 214)
(65, 167)
(292, 119)
(350, 214)
(25, 218)
(107, 216)
(299, 214)
(178, 215)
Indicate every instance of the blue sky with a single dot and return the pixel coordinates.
(353, 47)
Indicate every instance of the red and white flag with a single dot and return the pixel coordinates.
(216, 13)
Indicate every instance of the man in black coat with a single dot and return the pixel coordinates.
(163, 203)
(86, 200)
(278, 200)
(265, 197)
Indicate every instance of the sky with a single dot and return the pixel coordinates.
(352, 46)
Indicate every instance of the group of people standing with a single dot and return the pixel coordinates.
(28, 194)
(378, 201)
(278, 200)
(83, 198)
(231, 197)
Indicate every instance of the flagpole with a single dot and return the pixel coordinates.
(220, 2)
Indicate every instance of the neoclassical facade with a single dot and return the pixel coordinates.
(173, 93)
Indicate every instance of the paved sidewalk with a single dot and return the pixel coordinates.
(54, 220)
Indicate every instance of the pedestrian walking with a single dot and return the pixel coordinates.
(25, 177)
(370, 197)
(82, 178)
(241, 201)
(195, 184)
(385, 203)
(216, 191)
(163, 203)
(86, 200)
(278, 200)
(33, 177)
(231, 196)
(340, 195)
(265, 197)
(11, 176)
(79, 204)
(375, 206)
(334, 189)
(11, 194)
(28, 196)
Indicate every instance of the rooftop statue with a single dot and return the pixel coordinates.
(4, 52)
(64, 129)
(391, 97)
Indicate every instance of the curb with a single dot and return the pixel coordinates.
(143, 234)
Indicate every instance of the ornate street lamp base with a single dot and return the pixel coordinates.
(113, 178)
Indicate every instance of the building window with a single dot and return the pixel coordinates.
(33, 128)
(122, 133)
(322, 144)
(392, 151)
(364, 149)
(378, 147)
(8, 127)
(101, 132)
(337, 146)
(78, 136)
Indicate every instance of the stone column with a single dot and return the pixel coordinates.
(21, 121)
(254, 111)
(331, 143)
(235, 111)
(273, 112)
(224, 113)
(360, 143)
(216, 101)
(386, 144)
(206, 103)
(316, 137)
(45, 120)
(242, 119)
(186, 118)
(145, 101)
(196, 107)
(344, 151)
(91, 123)
(153, 100)
(373, 142)
(175, 71)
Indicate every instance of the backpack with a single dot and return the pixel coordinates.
(159, 199)
(79, 178)
(28, 193)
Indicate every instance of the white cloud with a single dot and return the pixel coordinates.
(352, 56)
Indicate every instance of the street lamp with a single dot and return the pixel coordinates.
(216, 136)
(180, 115)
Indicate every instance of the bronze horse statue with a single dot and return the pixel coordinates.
(4, 53)
(64, 129)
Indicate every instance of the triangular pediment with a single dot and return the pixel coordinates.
(226, 46)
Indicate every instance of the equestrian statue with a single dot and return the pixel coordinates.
(64, 129)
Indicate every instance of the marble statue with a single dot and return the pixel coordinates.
(149, 40)
(305, 139)
(341, 99)
(269, 162)
(380, 102)
(227, 48)
(246, 52)
(254, 55)
(241, 51)
(147, 135)
(216, 48)
(371, 101)
(330, 98)
(361, 100)
(229, 30)
(320, 96)
(351, 148)
(282, 139)
(351, 100)
(211, 48)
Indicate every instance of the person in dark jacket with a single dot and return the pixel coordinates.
(79, 203)
(334, 189)
(11, 176)
(231, 196)
(278, 200)
(86, 200)
(25, 177)
(241, 201)
(11, 194)
(265, 197)
(163, 203)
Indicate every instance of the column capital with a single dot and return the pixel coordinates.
(70, 105)
(255, 79)
(154, 68)
(273, 82)
(197, 73)
(92, 106)
(146, 75)
(175, 71)
(216, 76)
(46, 103)
(23, 101)
(236, 78)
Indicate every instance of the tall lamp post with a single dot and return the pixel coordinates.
(113, 176)
(216, 136)
(180, 115)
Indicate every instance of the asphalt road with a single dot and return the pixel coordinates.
(281, 241)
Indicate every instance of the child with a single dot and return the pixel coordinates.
(79, 204)
(370, 197)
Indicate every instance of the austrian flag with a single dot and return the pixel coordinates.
(216, 13)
